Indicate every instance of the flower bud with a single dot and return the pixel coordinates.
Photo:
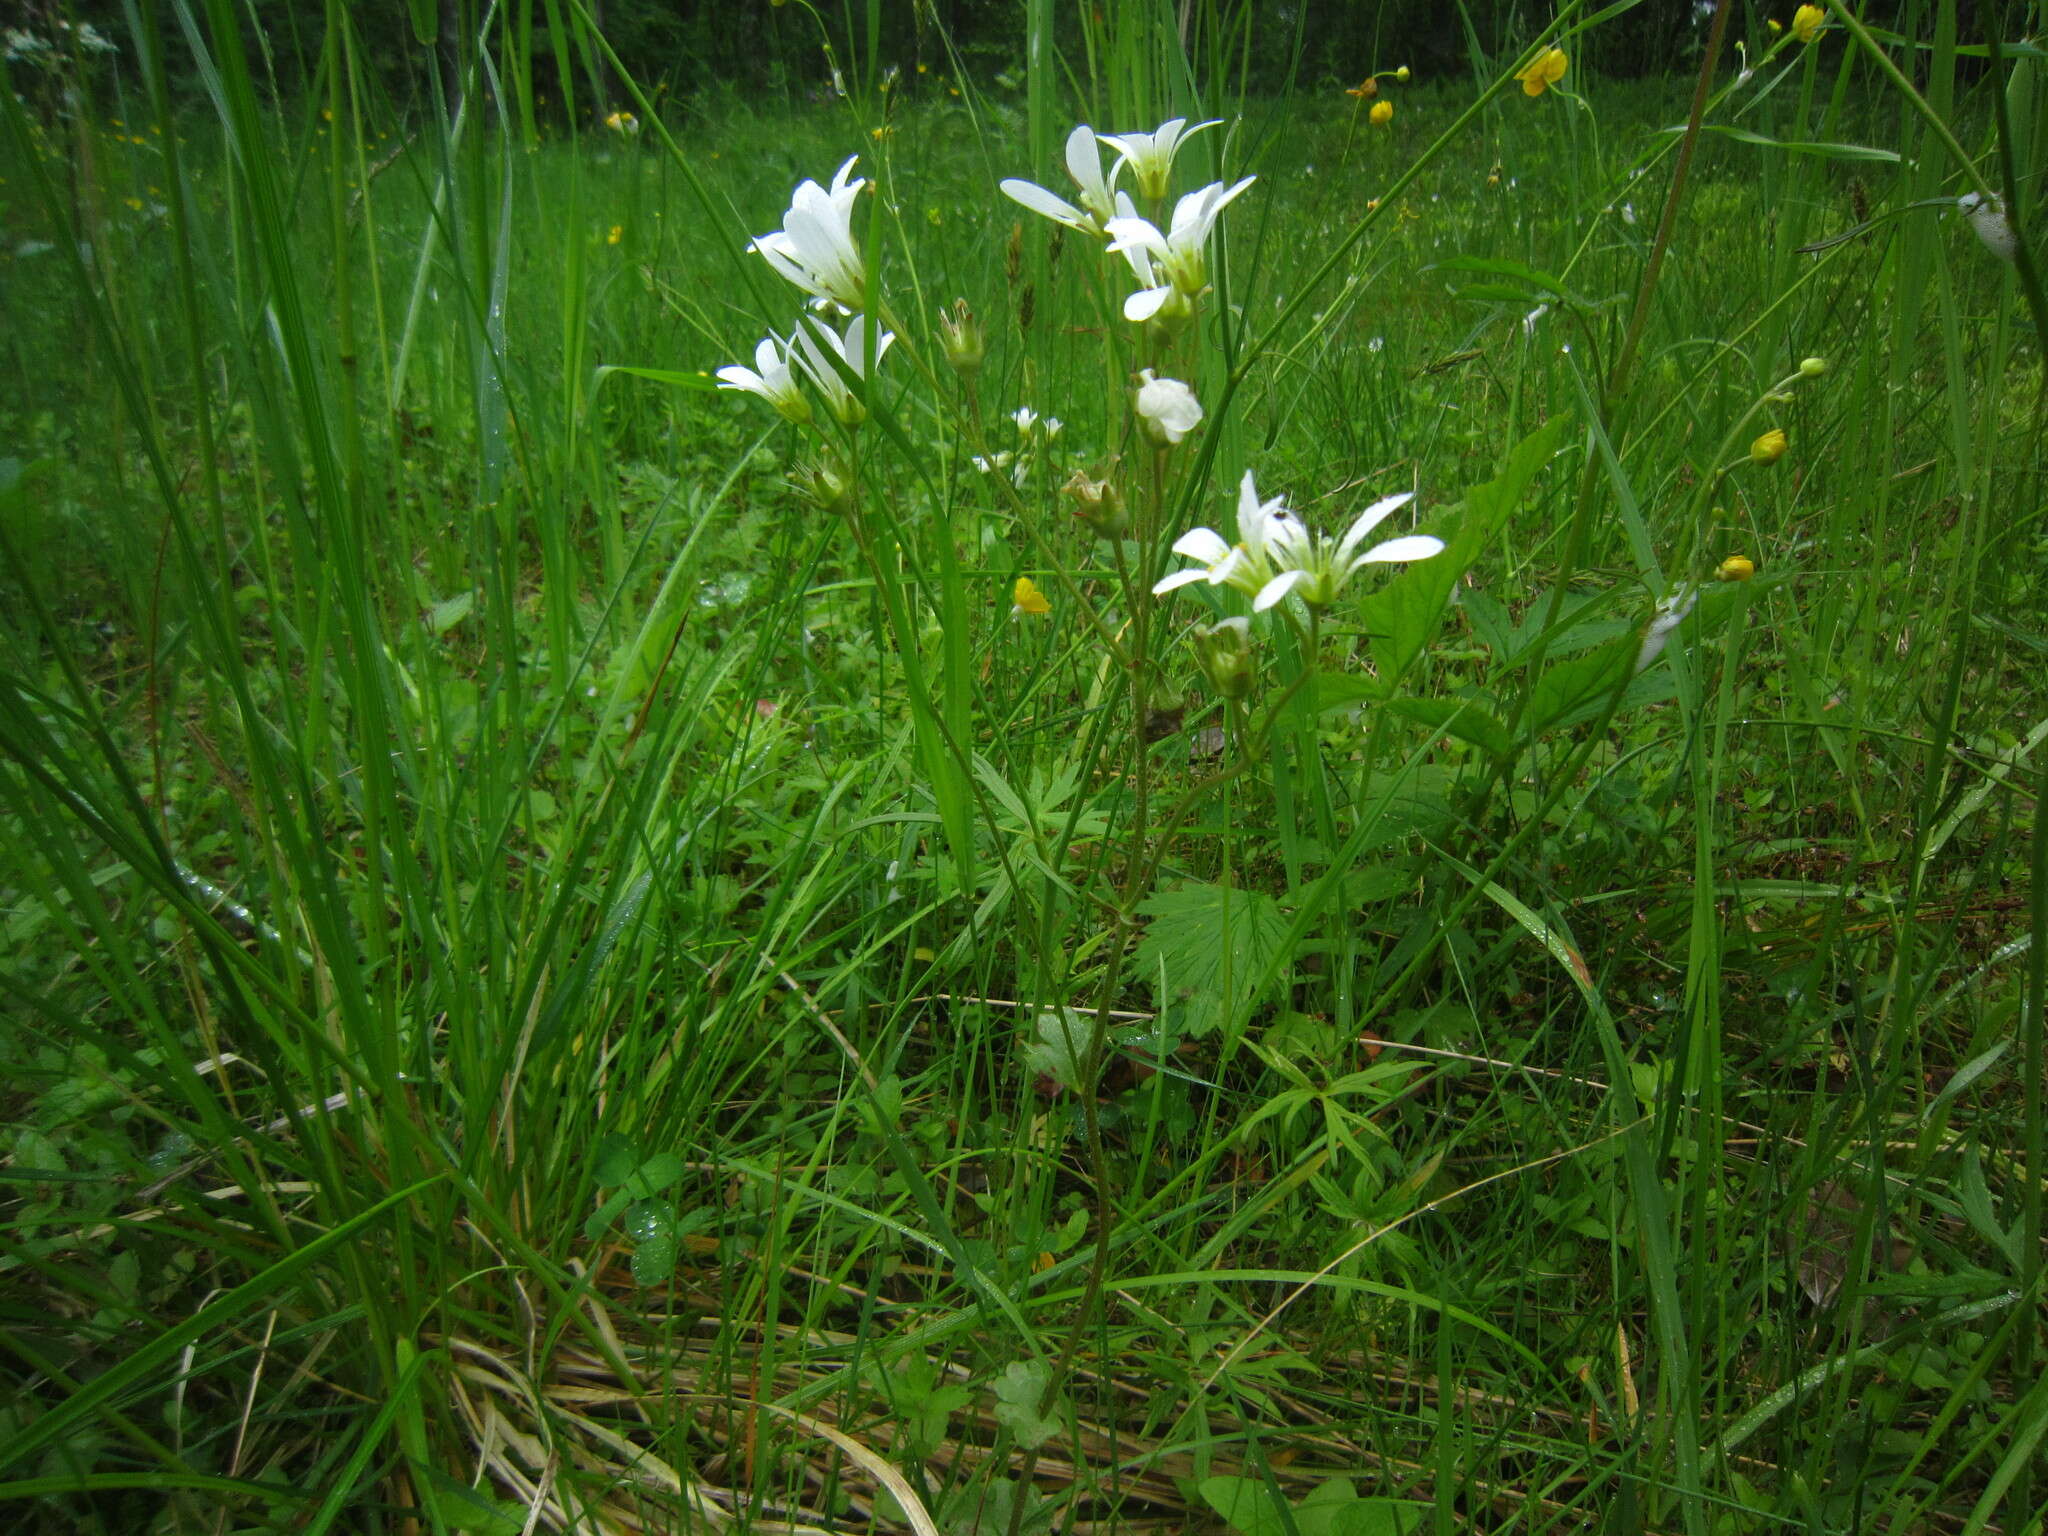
(1735, 568)
(1167, 409)
(1097, 503)
(825, 482)
(962, 340)
(1224, 653)
(1401, 74)
(1382, 113)
(1812, 367)
(1769, 448)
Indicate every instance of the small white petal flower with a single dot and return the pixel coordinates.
(1167, 409)
(1084, 164)
(1150, 155)
(771, 378)
(1316, 570)
(819, 348)
(1026, 418)
(1246, 565)
(1987, 218)
(1177, 262)
(815, 248)
(1669, 615)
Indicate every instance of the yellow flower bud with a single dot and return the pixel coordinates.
(1806, 22)
(1401, 74)
(1382, 113)
(1769, 448)
(1735, 568)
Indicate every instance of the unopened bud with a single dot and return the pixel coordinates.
(1224, 653)
(1735, 568)
(961, 339)
(1769, 448)
(825, 482)
(1098, 503)
(1812, 367)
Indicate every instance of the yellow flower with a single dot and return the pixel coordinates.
(618, 233)
(1735, 568)
(134, 203)
(1382, 113)
(1548, 69)
(879, 134)
(1769, 448)
(1028, 599)
(1806, 22)
(623, 122)
(1365, 90)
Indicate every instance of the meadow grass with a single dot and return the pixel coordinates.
(554, 981)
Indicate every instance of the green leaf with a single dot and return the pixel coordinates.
(471, 1509)
(652, 1226)
(1246, 1505)
(1797, 147)
(1018, 1391)
(1205, 947)
(1580, 682)
(1404, 613)
(695, 379)
(1461, 718)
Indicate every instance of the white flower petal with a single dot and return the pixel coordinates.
(1178, 579)
(1142, 306)
(1038, 200)
(1370, 519)
(1415, 546)
(1203, 544)
(1274, 590)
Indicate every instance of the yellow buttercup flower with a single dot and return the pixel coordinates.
(1382, 113)
(1769, 448)
(1366, 89)
(1028, 599)
(1548, 69)
(618, 233)
(1807, 21)
(1735, 568)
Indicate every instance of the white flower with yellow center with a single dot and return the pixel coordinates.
(1246, 565)
(1150, 155)
(815, 248)
(1315, 570)
(771, 377)
(1175, 264)
(822, 352)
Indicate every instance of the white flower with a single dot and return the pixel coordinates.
(819, 348)
(771, 378)
(1150, 155)
(815, 248)
(1669, 615)
(1084, 164)
(1167, 409)
(1987, 217)
(1176, 263)
(1316, 570)
(1246, 565)
(1026, 418)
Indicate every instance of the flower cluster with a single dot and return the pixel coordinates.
(816, 250)
(1171, 266)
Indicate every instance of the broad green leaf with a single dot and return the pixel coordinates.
(1018, 1391)
(1204, 949)
(1404, 613)
(1461, 718)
